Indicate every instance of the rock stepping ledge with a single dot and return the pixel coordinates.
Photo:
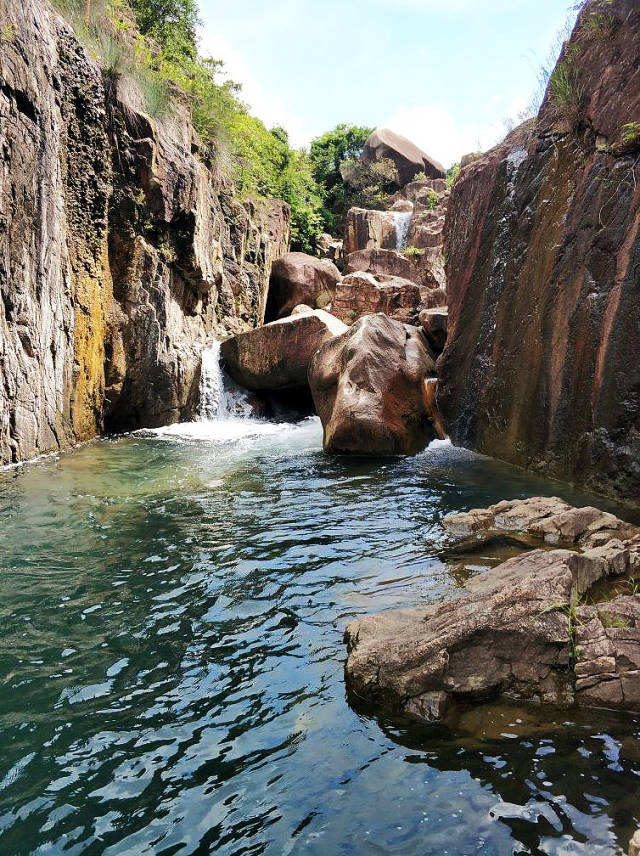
(558, 624)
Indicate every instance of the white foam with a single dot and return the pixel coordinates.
(245, 431)
(220, 397)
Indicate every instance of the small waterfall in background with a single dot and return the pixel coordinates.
(403, 224)
(220, 397)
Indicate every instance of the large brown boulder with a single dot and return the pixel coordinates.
(542, 240)
(408, 158)
(518, 631)
(361, 294)
(277, 355)
(367, 229)
(424, 268)
(298, 278)
(499, 638)
(367, 386)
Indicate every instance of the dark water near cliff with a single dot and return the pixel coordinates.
(171, 663)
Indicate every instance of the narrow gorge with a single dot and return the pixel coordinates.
(319, 465)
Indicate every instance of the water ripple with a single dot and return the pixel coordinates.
(171, 661)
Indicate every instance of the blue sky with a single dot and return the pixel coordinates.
(445, 73)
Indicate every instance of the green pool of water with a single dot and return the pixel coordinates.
(171, 657)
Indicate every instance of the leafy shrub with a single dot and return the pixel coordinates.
(599, 25)
(565, 88)
(432, 199)
(412, 252)
(452, 175)
(330, 154)
(630, 135)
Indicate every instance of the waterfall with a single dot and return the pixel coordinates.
(220, 397)
(403, 224)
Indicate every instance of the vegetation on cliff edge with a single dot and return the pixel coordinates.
(154, 44)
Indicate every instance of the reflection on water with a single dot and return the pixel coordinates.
(172, 609)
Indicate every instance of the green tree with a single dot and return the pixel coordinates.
(172, 24)
(327, 154)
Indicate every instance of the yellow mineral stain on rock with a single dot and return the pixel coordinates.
(93, 294)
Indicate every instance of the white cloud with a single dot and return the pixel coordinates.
(266, 106)
(435, 129)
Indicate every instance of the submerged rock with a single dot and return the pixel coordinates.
(298, 278)
(367, 386)
(523, 629)
(277, 355)
(409, 160)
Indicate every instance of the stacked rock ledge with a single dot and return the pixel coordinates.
(524, 630)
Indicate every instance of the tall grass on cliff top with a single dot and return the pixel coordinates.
(153, 44)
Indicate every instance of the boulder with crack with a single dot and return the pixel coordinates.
(368, 386)
(518, 633)
(364, 294)
(277, 355)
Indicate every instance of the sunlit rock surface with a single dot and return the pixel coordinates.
(542, 239)
(123, 254)
(553, 625)
(368, 389)
(277, 355)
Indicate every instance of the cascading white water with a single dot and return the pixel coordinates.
(220, 398)
(403, 224)
(226, 415)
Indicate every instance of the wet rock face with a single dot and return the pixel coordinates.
(54, 278)
(122, 254)
(542, 365)
(368, 389)
(298, 278)
(520, 630)
(277, 355)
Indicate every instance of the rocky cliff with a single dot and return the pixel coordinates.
(121, 251)
(542, 238)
